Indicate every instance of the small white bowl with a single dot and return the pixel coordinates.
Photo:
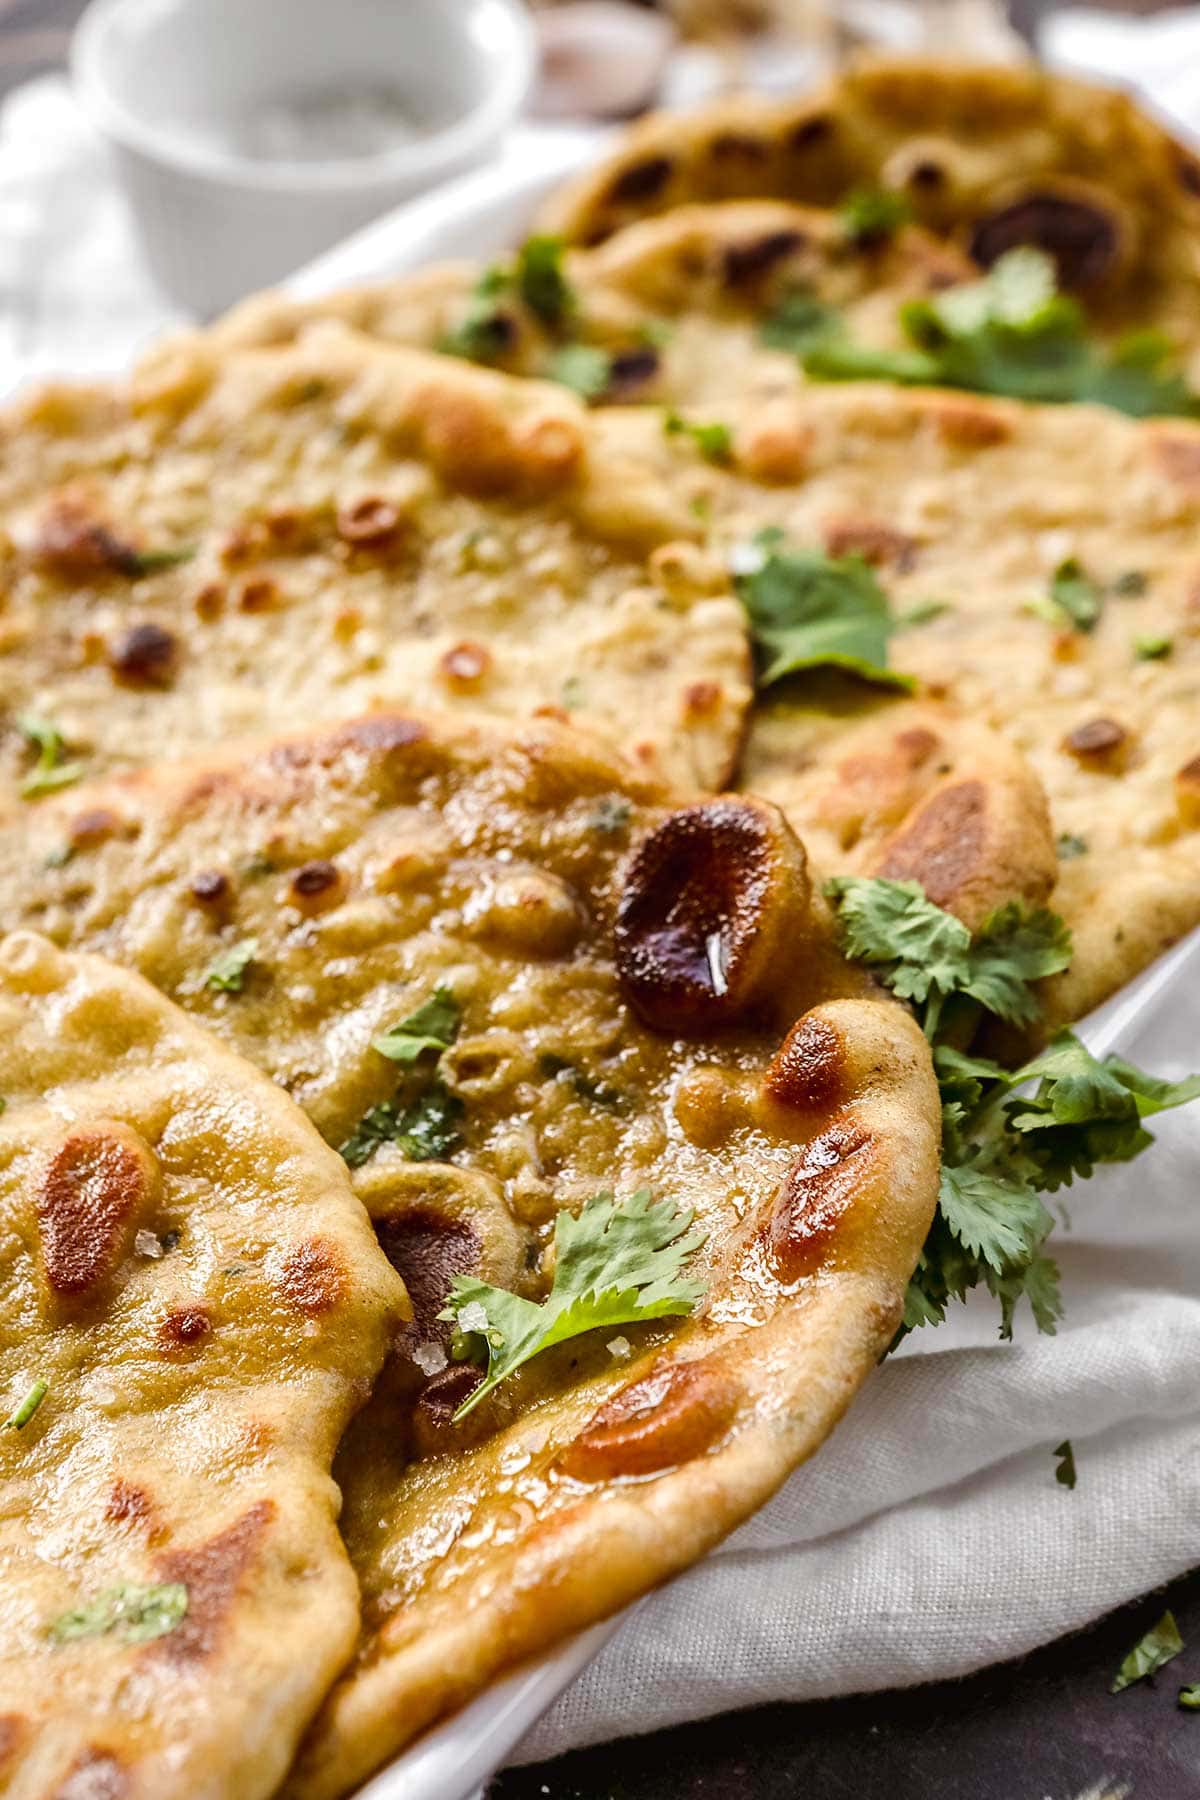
(253, 134)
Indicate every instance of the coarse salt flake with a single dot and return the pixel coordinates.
(473, 1317)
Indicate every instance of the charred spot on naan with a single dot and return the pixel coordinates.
(99, 1184)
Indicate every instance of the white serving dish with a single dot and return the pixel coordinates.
(478, 216)
(208, 105)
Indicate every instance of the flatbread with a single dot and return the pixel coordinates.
(975, 503)
(990, 154)
(676, 301)
(906, 790)
(349, 526)
(184, 1266)
(577, 914)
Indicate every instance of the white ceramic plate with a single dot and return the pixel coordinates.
(478, 216)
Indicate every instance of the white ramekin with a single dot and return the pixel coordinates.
(169, 82)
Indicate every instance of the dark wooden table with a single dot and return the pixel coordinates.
(1043, 1729)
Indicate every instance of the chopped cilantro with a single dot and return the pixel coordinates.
(1000, 1151)
(808, 610)
(149, 562)
(1151, 647)
(574, 694)
(1189, 1697)
(1012, 333)
(1074, 596)
(583, 368)
(134, 1613)
(1069, 846)
(583, 1085)
(922, 613)
(799, 323)
(488, 329)
(714, 441)
(869, 215)
(540, 280)
(426, 1130)
(1161, 1644)
(21, 1414)
(1131, 584)
(433, 1026)
(1064, 1470)
(617, 1263)
(227, 972)
(50, 772)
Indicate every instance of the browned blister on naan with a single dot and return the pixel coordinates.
(648, 994)
(193, 1305)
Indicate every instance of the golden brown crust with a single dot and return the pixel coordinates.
(988, 499)
(157, 1198)
(258, 536)
(992, 153)
(544, 884)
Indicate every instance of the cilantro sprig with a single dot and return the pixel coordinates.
(1001, 1149)
(617, 1262)
(808, 610)
(1013, 333)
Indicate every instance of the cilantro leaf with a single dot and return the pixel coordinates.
(1152, 646)
(1189, 1697)
(425, 1130)
(799, 323)
(25, 1408)
(714, 441)
(1012, 948)
(541, 281)
(130, 1611)
(227, 972)
(999, 1220)
(809, 611)
(1075, 596)
(616, 1263)
(583, 368)
(1012, 333)
(1064, 1472)
(433, 1026)
(1161, 1644)
(870, 215)
(1086, 1112)
(487, 329)
(50, 772)
(1069, 846)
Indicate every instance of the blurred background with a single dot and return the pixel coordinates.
(136, 196)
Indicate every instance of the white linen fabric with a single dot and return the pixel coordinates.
(929, 1537)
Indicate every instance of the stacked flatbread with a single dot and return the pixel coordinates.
(366, 723)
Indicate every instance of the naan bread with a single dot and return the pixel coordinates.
(677, 301)
(344, 526)
(185, 1268)
(651, 998)
(991, 154)
(904, 789)
(976, 503)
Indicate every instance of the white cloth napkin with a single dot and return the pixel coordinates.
(929, 1536)
(1158, 57)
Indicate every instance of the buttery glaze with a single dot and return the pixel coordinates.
(627, 971)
